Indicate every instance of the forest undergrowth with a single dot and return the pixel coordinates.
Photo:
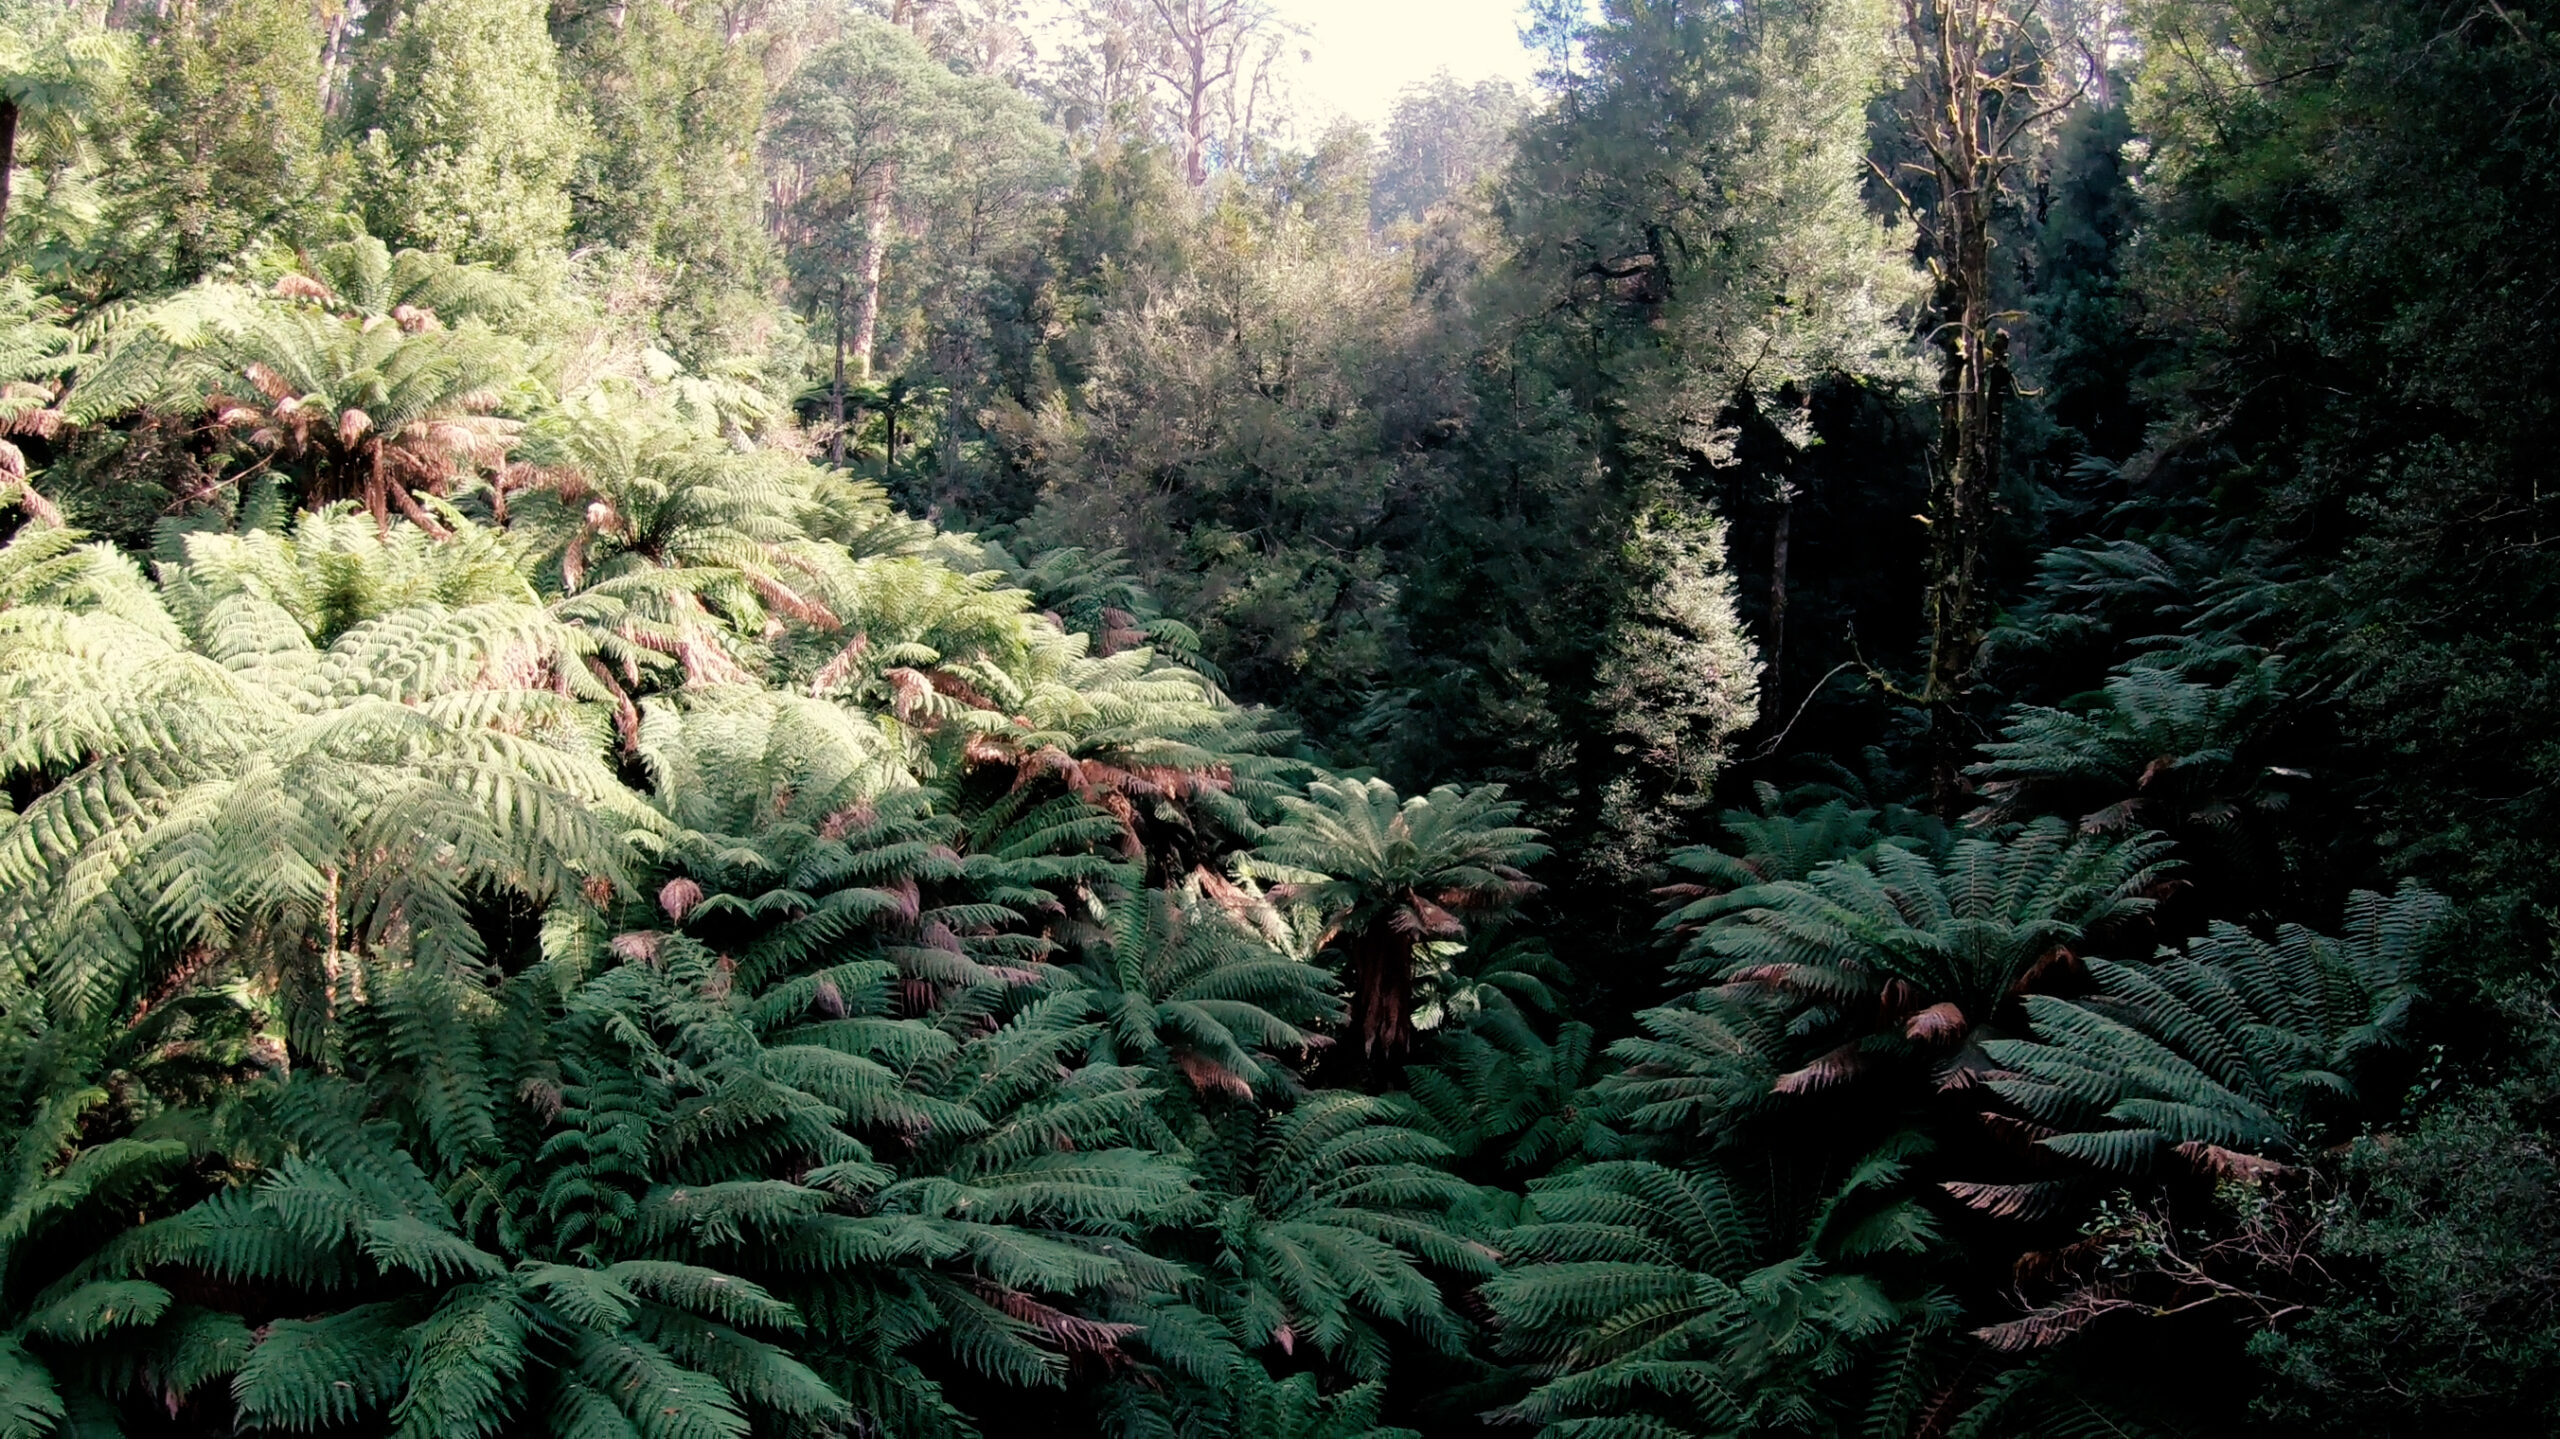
(914, 719)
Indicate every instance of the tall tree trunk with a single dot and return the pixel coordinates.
(1195, 118)
(8, 157)
(950, 438)
(835, 447)
(1964, 490)
(1968, 452)
(875, 252)
(1205, 38)
(1983, 82)
(1973, 380)
(1774, 678)
(1972, 365)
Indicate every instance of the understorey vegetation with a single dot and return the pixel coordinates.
(908, 720)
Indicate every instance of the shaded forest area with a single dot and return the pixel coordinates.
(819, 718)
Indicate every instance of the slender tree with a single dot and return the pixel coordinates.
(859, 115)
(1215, 59)
(1985, 75)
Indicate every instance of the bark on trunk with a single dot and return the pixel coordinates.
(951, 433)
(835, 447)
(1974, 379)
(1969, 114)
(332, 54)
(1968, 460)
(1207, 39)
(1195, 123)
(875, 252)
(8, 157)
(377, 493)
(1774, 684)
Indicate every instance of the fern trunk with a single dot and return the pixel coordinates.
(1382, 992)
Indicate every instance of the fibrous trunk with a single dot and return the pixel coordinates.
(1382, 992)
(1973, 377)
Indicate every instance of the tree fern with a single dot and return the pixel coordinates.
(239, 793)
(379, 408)
(1329, 1221)
(2206, 746)
(1178, 981)
(104, 1126)
(1646, 1299)
(2238, 1045)
(1395, 875)
(1897, 954)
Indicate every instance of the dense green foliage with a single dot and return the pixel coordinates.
(792, 720)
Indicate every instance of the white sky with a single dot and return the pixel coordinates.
(1366, 51)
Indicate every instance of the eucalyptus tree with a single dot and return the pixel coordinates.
(1216, 61)
(1442, 139)
(877, 142)
(855, 114)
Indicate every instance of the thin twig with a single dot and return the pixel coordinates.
(1780, 738)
